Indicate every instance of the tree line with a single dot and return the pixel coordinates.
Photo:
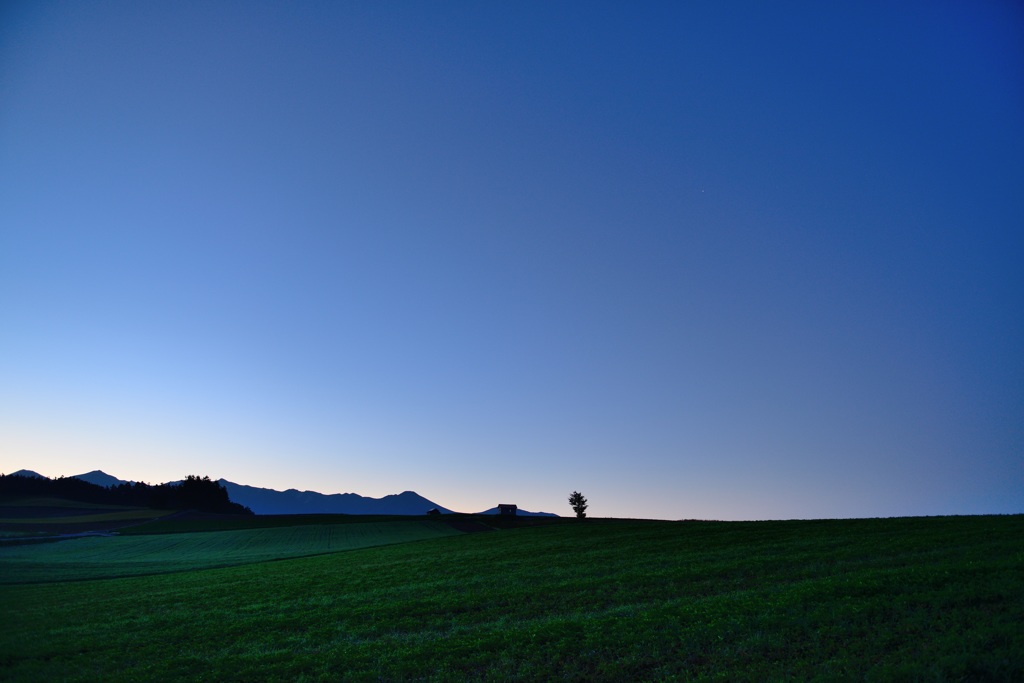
(194, 493)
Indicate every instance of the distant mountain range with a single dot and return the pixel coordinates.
(293, 502)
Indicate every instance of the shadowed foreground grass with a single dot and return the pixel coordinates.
(896, 599)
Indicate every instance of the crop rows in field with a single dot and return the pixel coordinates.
(119, 556)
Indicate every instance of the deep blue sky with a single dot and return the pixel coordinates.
(696, 260)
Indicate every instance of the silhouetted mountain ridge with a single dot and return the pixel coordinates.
(293, 502)
(194, 493)
(26, 473)
(101, 478)
(265, 501)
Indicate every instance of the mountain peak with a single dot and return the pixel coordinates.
(100, 478)
(26, 473)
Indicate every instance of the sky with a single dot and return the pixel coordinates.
(696, 260)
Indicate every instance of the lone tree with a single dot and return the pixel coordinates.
(579, 504)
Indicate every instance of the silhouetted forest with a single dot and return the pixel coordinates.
(194, 493)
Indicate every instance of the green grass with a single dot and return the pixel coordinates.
(92, 558)
(99, 517)
(44, 502)
(234, 523)
(41, 516)
(936, 599)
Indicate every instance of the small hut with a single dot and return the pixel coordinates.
(433, 511)
(506, 510)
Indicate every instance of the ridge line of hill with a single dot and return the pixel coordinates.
(264, 501)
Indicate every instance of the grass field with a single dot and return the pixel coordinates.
(92, 558)
(37, 516)
(889, 599)
(101, 516)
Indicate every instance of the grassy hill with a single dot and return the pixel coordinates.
(885, 599)
(92, 558)
(30, 516)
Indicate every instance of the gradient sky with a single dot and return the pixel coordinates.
(719, 260)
